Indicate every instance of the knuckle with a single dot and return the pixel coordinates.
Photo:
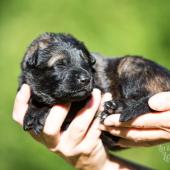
(54, 149)
(133, 135)
(137, 139)
(67, 153)
(63, 151)
(50, 133)
(50, 130)
(79, 128)
(86, 151)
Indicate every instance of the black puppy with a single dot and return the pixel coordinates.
(60, 69)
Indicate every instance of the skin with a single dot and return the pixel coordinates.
(84, 150)
(146, 130)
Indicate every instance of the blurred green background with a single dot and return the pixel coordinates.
(110, 27)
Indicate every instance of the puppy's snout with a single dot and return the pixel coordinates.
(84, 79)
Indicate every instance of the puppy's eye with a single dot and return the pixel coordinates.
(62, 62)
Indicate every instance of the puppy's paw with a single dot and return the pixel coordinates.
(28, 122)
(134, 109)
(31, 122)
(111, 107)
(103, 116)
(127, 108)
(126, 116)
(35, 120)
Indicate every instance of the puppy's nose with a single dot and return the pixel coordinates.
(84, 79)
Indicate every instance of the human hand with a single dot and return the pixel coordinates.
(80, 144)
(146, 130)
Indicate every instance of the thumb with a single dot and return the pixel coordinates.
(160, 101)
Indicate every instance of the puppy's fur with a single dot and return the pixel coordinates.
(60, 69)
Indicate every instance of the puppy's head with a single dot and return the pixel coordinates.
(58, 68)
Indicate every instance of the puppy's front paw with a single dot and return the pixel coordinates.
(35, 120)
(134, 109)
(31, 122)
(112, 107)
(28, 122)
(109, 108)
(128, 109)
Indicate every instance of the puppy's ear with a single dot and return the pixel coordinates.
(92, 59)
(31, 55)
(44, 42)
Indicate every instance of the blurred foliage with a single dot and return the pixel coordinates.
(110, 27)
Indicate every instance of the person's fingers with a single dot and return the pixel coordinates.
(139, 135)
(149, 120)
(160, 101)
(21, 104)
(85, 146)
(53, 123)
(79, 126)
(91, 139)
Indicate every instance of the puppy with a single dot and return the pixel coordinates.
(60, 69)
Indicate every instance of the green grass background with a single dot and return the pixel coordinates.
(110, 27)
